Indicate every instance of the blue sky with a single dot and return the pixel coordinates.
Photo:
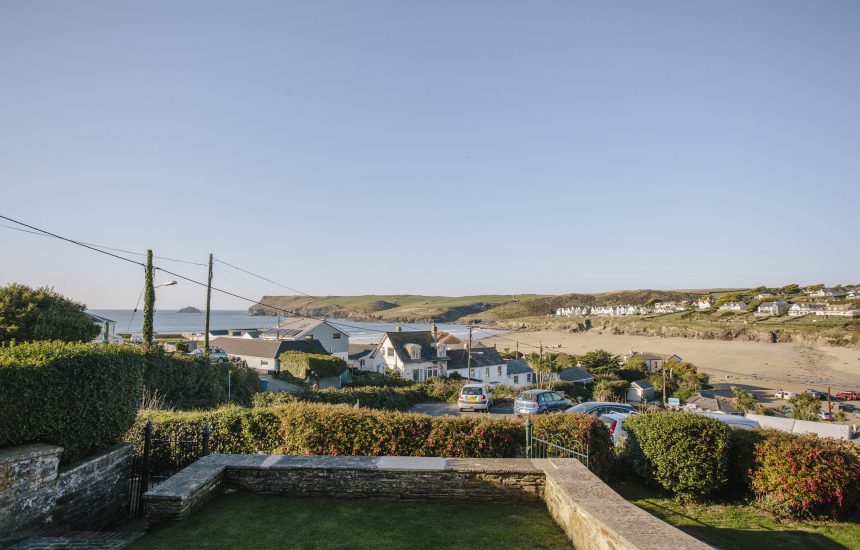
(431, 147)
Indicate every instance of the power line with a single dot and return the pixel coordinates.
(44, 234)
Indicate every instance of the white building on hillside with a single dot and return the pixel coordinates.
(334, 340)
(733, 306)
(773, 308)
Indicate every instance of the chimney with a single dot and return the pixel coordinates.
(399, 329)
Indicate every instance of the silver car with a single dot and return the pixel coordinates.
(476, 397)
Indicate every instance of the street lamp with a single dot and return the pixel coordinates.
(168, 283)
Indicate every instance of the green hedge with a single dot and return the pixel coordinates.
(310, 428)
(301, 365)
(186, 382)
(82, 397)
(685, 454)
(370, 396)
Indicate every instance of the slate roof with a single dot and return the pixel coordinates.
(642, 385)
(714, 403)
(269, 349)
(364, 352)
(481, 357)
(575, 374)
(98, 318)
(519, 366)
(422, 338)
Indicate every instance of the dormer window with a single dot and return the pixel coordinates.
(414, 351)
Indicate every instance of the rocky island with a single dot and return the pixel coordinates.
(189, 309)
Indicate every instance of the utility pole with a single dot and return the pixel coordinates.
(664, 387)
(148, 302)
(469, 357)
(540, 363)
(829, 406)
(208, 304)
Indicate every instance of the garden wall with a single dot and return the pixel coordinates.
(35, 493)
(592, 515)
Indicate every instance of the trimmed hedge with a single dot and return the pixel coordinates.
(301, 365)
(187, 382)
(374, 397)
(685, 454)
(309, 428)
(801, 476)
(82, 397)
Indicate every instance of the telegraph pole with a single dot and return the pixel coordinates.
(469, 357)
(148, 302)
(664, 387)
(208, 304)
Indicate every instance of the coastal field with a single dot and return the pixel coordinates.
(760, 366)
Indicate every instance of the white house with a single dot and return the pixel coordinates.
(704, 303)
(764, 296)
(334, 340)
(827, 293)
(263, 355)
(733, 306)
(486, 365)
(653, 361)
(841, 310)
(107, 329)
(519, 373)
(773, 308)
(413, 355)
(668, 307)
(640, 391)
(796, 310)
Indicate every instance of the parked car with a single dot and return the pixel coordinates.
(539, 402)
(782, 394)
(615, 422)
(476, 397)
(848, 407)
(848, 395)
(217, 355)
(599, 408)
(816, 394)
(824, 415)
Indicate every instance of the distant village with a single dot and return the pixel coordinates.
(764, 304)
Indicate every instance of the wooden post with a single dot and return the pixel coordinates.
(208, 305)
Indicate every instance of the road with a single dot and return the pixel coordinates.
(449, 409)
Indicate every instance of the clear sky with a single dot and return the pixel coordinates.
(444, 147)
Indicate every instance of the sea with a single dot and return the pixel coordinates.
(171, 322)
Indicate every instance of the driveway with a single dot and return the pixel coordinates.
(276, 385)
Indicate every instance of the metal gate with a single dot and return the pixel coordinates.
(160, 459)
(553, 446)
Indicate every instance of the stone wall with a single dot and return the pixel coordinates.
(36, 493)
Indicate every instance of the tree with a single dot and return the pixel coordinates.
(610, 390)
(806, 407)
(744, 400)
(790, 289)
(42, 314)
(600, 362)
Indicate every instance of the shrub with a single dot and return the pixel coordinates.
(685, 454)
(369, 396)
(362, 378)
(302, 365)
(82, 397)
(309, 428)
(805, 475)
(185, 382)
(270, 399)
(742, 452)
(28, 314)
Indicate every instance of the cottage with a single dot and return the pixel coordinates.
(713, 403)
(358, 354)
(640, 391)
(733, 306)
(486, 365)
(653, 361)
(414, 355)
(840, 310)
(264, 355)
(827, 293)
(519, 373)
(107, 329)
(772, 308)
(576, 375)
(334, 340)
(704, 303)
(796, 310)
(764, 296)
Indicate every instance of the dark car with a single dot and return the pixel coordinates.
(539, 402)
(848, 407)
(598, 408)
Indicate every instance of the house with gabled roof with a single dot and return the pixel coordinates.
(486, 365)
(414, 355)
(264, 355)
(653, 361)
(334, 340)
(773, 308)
(713, 403)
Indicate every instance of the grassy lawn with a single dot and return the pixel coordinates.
(741, 525)
(248, 520)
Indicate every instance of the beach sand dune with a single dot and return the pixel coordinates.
(760, 365)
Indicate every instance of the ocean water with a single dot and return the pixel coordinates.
(171, 321)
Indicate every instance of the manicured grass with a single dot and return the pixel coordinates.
(742, 526)
(249, 520)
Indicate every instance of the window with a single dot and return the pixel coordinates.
(528, 378)
(516, 379)
(499, 370)
(263, 363)
(416, 374)
(487, 372)
(389, 352)
(336, 336)
(361, 362)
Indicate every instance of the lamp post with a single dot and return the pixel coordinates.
(149, 300)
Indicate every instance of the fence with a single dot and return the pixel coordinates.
(160, 459)
(553, 446)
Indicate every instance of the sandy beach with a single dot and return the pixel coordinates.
(759, 366)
